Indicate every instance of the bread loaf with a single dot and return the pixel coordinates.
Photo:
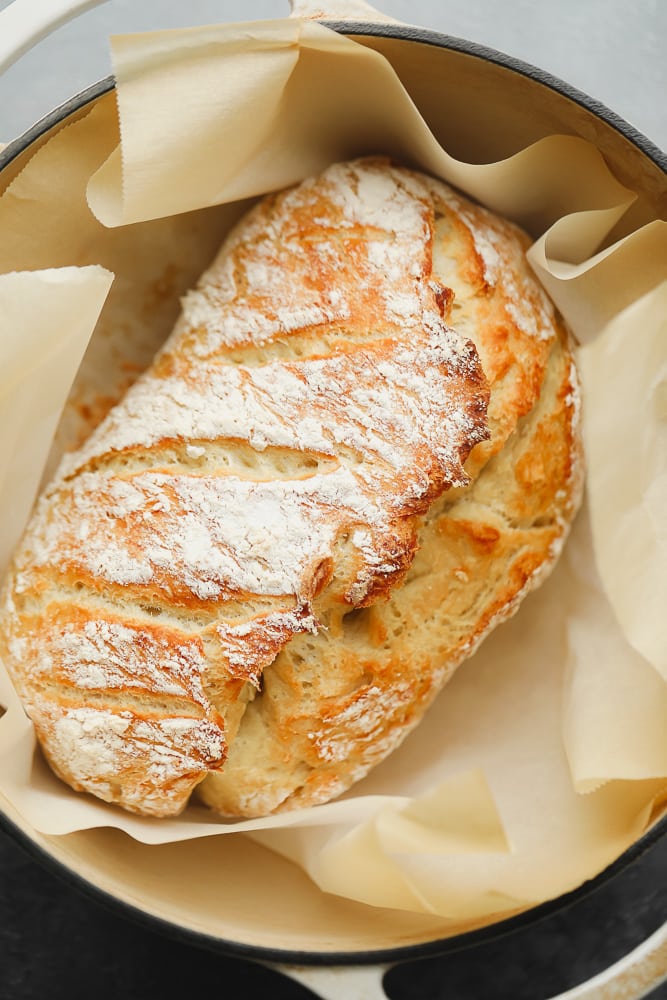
(354, 456)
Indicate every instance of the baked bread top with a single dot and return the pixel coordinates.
(223, 580)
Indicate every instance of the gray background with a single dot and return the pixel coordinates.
(613, 50)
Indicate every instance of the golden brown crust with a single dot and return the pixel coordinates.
(356, 453)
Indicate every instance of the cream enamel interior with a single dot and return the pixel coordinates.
(244, 894)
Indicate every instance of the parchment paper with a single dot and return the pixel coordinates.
(546, 756)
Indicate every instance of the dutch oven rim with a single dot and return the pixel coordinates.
(437, 946)
(400, 32)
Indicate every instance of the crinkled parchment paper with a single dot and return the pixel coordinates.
(546, 756)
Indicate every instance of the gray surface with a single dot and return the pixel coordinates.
(613, 50)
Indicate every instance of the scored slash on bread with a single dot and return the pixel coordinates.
(356, 453)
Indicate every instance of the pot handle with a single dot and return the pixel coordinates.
(344, 982)
(634, 976)
(24, 23)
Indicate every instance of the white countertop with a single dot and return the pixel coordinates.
(612, 50)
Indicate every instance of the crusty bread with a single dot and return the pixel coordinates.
(355, 455)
